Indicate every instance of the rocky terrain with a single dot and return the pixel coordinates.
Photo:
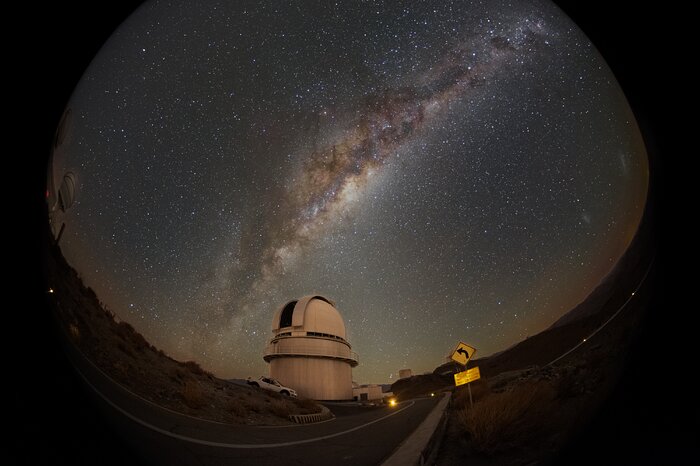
(117, 349)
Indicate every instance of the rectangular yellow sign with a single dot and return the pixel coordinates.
(462, 353)
(467, 376)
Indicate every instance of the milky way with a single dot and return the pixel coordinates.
(336, 174)
(463, 171)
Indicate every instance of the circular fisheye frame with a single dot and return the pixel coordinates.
(435, 204)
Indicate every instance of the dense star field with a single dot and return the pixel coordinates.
(463, 170)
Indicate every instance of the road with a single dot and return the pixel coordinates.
(161, 436)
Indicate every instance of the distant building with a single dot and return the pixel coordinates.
(308, 351)
(405, 373)
(367, 392)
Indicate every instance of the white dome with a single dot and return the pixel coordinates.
(308, 350)
(311, 314)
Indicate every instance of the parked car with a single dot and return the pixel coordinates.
(268, 383)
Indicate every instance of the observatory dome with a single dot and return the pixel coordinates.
(308, 350)
(312, 314)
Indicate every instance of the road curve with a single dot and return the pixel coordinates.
(161, 436)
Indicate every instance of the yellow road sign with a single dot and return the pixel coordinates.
(467, 376)
(462, 353)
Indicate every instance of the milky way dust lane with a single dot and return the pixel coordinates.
(335, 176)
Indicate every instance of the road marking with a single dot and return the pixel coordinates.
(233, 445)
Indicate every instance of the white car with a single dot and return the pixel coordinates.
(268, 383)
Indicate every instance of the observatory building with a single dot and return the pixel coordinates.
(309, 352)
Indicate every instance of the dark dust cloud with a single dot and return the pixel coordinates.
(460, 170)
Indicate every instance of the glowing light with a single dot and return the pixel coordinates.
(392, 402)
(50, 290)
(432, 394)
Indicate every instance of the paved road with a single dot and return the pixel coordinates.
(164, 437)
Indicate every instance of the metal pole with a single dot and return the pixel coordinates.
(469, 387)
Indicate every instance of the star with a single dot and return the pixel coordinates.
(464, 172)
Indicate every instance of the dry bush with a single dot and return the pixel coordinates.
(237, 408)
(195, 368)
(280, 408)
(127, 333)
(90, 293)
(307, 406)
(108, 312)
(192, 394)
(124, 348)
(255, 405)
(121, 369)
(503, 420)
(124, 330)
(479, 389)
(140, 342)
(177, 374)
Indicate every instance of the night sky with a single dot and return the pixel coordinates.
(451, 171)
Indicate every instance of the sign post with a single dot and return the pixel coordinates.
(461, 355)
(471, 403)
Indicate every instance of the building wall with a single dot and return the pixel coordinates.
(315, 378)
(371, 392)
(310, 346)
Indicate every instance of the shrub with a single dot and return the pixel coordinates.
(192, 394)
(255, 405)
(177, 374)
(139, 342)
(125, 330)
(307, 406)
(121, 369)
(280, 408)
(237, 408)
(124, 348)
(460, 398)
(501, 420)
(195, 368)
(90, 293)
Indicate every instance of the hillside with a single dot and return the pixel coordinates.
(615, 287)
(535, 351)
(131, 361)
(526, 411)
